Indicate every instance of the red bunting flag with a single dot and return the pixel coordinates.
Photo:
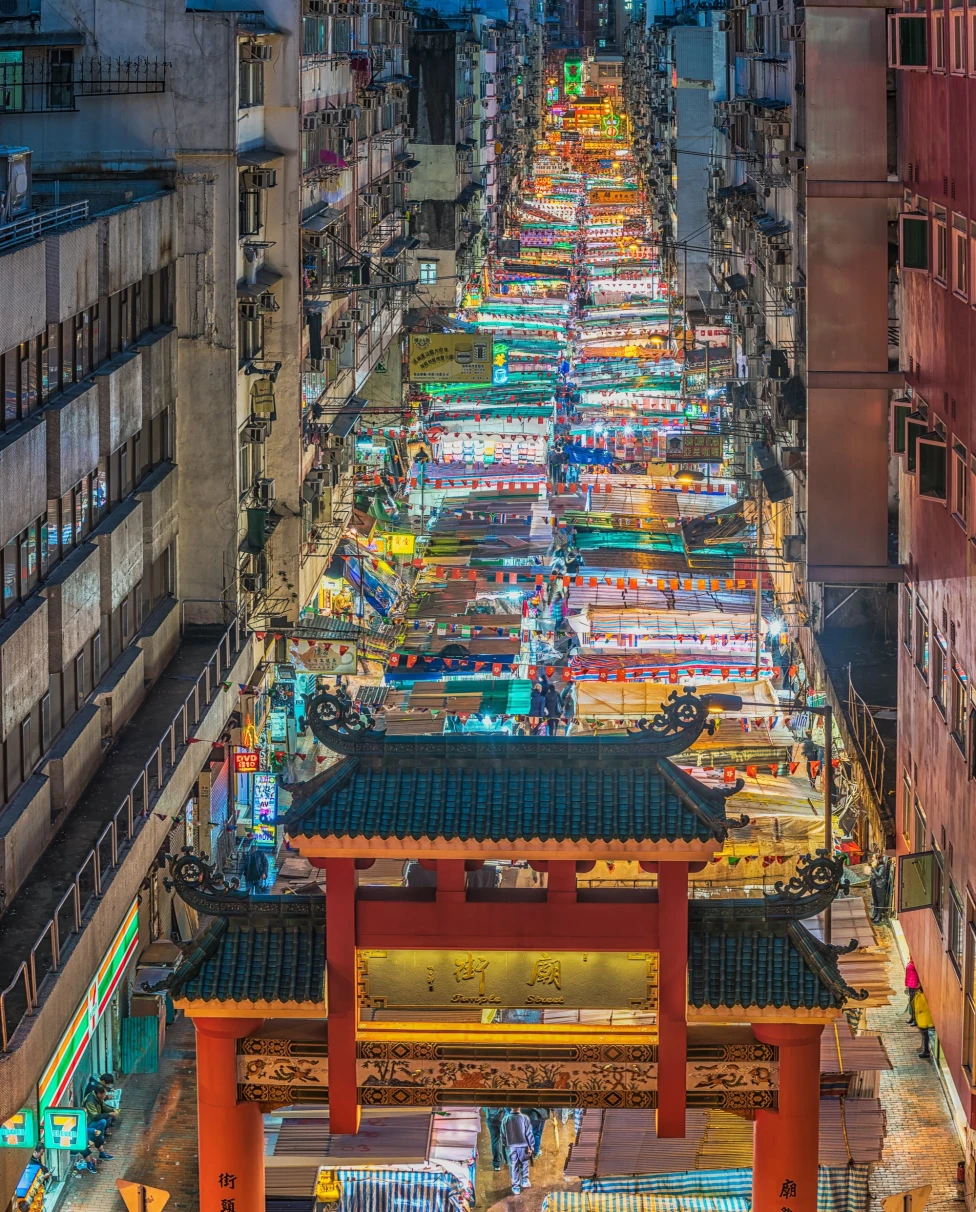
(496, 669)
(728, 774)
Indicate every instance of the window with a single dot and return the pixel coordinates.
(908, 41)
(250, 212)
(914, 239)
(428, 273)
(907, 633)
(940, 252)
(932, 458)
(250, 80)
(22, 563)
(957, 48)
(81, 680)
(972, 40)
(938, 888)
(940, 672)
(60, 89)
(960, 256)
(960, 485)
(922, 640)
(955, 936)
(906, 807)
(959, 705)
(919, 827)
(938, 36)
(250, 333)
(11, 80)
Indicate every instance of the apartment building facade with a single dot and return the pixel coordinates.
(933, 53)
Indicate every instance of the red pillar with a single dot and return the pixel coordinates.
(561, 885)
(451, 881)
(672, 1053)
(343, 1006)
(786, 1142)
(230, 1134)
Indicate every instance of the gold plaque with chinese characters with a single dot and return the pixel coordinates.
(508, 980)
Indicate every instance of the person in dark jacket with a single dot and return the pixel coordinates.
(811, 753)
(255, 870)
(553, 709)
(537, 706)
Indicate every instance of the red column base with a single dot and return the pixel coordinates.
(786, 1142)
(230, 1134)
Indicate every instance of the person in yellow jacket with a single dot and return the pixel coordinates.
(923, 1020)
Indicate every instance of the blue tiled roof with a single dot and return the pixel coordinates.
(650, 802)
(250, 959)
(762, 965)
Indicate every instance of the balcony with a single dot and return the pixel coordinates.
(40, 86)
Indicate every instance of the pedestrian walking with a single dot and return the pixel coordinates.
(538, 1117)
(519, 1140)
(553, 708)
(255, 870)
(924, 1022)
(811, 753)
(537, 706)
(493, 1118)
(912, 986)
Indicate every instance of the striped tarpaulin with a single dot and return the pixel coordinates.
(840, 1189)
(401, 1191)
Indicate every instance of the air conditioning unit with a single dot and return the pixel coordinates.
(316, 364)
(249, 309)
(316, 239)
(259, 178)
(257, 52)
(350, 113)
(793, 162)
(266, 492)
(331, 117)
(737, 107)
(402, 175)
(317, 8)
(254, 582)
(357, 313)
(318, 476)
(257, 432)
(794, 33)
(778, 130)
(336, 343)
(369, 197)
(793, 545)
(310, 122)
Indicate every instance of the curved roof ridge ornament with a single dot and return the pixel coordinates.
(813, 887)
(810, 890)
(202, 886)
(822, 958)
(341, 726)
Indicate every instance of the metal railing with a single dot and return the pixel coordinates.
(39, 223)
(56, 941)
(869, 742)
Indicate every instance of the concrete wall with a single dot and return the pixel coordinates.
(936, 114)
(159, 638)
(35, 1041)
(120, 693)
